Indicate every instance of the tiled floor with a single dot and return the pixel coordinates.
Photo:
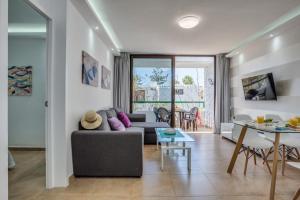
(208, 179)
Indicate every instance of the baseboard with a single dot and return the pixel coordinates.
(12, 148)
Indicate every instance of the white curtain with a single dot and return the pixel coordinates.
(222, 95)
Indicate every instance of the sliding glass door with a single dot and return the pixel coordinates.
(151, 86)
(175, 89)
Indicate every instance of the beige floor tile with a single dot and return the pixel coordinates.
(192, 185)
(208, 179)
(198, 198)
(115, 187)
(153, 198)
(80, 186)
(253, 197)
(226, 184)
(154, 185)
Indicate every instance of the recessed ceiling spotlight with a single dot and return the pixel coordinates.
(97, 28)
(112, 49)
(271, 35)
(236, 53)
(189, 21)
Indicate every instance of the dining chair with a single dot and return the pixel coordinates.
(253, 143)
(190, 118)
(289, 143)
(297, 166)
(164, 115)
(155, 110)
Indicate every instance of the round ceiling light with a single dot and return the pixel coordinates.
(188, 22)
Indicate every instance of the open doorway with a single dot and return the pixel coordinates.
(27, 90)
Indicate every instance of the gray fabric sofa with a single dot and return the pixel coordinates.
(138, 121)
(108, 153)
(149, 130)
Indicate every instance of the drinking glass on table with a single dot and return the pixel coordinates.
(260, 119)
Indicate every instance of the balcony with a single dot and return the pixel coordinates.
(204, 117)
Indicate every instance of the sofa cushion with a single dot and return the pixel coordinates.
(111, 113)
(124, 119)
(136, 117)
(105, 125)
(118, 110)
(116, 124)
(150, 126)
(135, 129)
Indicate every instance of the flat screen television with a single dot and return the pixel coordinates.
(261, 87)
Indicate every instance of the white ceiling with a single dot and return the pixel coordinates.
(149, 26)
(23, 20)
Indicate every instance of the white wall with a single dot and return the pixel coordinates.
(26, 114)
(56, 139)
(80, 97)
(3, 100)
(57, 145)
(70, 99)
(278, 55)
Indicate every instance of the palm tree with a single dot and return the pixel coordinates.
(188, 80)
(158, 76)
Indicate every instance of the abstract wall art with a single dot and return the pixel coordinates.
(90, 72)
(20, 81)
(106, 78)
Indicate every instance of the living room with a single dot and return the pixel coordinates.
(157, 100)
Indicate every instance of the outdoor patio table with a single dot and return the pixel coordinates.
(181, 115)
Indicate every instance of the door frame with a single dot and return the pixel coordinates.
(48, 95)
(3, 100)
(173, 67)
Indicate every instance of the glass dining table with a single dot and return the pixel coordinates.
(277, 129)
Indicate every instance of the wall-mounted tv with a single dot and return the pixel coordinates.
(259, 87)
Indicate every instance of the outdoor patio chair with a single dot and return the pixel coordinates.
(163, 115)
(189, 119)
(155, 110)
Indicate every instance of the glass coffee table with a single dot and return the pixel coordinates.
(173, 142)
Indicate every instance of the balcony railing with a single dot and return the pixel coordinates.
(201, 102)
(148, 105)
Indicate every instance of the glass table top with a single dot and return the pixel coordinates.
(180, 136)
(274, 127)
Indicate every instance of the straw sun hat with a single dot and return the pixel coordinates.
(91, 120)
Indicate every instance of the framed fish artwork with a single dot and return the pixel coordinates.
(20, 81)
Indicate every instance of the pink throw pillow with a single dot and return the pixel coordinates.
(124, 119)
(116, 124)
